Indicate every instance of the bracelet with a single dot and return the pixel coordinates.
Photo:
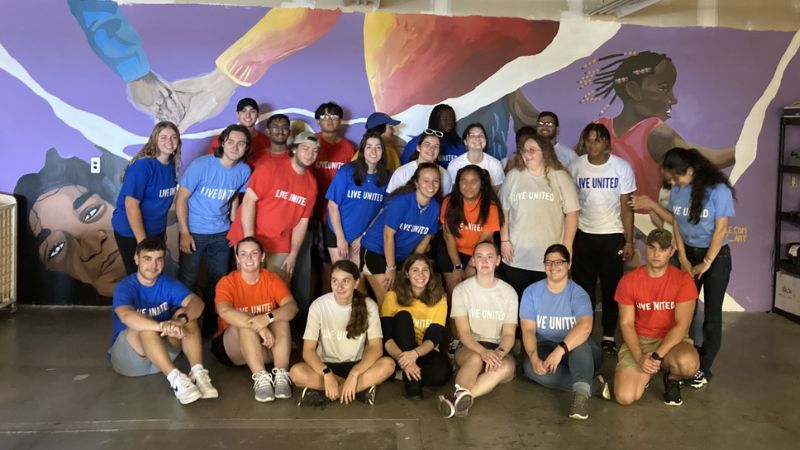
(708, 260)
(392, 267)
(629, 243)
(504, 240)
(415, 351)
(563, 345)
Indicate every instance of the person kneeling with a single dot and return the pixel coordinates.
(254, 307)
(342, 344)
(413, 318)
(155, 318)
(656, 305)
(485, 313)
(556, 319)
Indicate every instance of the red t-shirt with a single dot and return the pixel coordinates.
(471, 231)
(654, 298)
(259, 148)
(331, 158)
(259, 298)
(284, 197)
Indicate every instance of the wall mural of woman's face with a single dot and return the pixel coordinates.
(74, 227)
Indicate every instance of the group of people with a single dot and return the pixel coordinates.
(440, 231)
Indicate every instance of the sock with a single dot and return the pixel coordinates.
(197, 368)
(172, 376)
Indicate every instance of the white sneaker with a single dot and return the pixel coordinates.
(262, 386)
(185, 391)
(203, 382)
(283, 388)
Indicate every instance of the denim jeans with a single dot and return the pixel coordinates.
(214, 249)
(714, 283)
(576, 370)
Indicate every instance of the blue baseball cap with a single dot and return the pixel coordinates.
(378, 119)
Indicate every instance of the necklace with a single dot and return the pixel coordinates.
(422, 209)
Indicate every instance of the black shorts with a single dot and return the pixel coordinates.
(342, 369)
(375, 262)
(218, 350)
(330, 238)
(443, 262)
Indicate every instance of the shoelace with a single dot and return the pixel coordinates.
(261, 379)
(202, 376)
(281, 376)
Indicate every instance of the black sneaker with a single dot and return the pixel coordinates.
(414, 390)
(367, 396)
(672, 391)
(609, 348)
(600, 388)
(312, 397)
(698, 381)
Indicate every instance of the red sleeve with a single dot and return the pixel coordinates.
(626, 293)
(312, 195)
(686, 289)
(225, 289)
(493, 221)
(214, 144)
(259, 178)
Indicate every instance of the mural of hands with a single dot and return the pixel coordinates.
(203, 97)
(152, 95)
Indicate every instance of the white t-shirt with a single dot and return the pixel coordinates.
(489, 162)
(565, 154)
(599, 189)
(486, 308)
(404, 173)
(327, 324)
(538, 204)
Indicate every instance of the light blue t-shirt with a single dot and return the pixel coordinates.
(212, 185)
(555, 314)
(153, 184)
(718, 202)
(402, 214)
(157, 302)
(358, 205)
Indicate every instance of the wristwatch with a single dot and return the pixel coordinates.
(271, 317)
(326, 370)
(458, 266)
(656, 356)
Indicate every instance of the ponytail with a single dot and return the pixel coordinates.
(358, 309)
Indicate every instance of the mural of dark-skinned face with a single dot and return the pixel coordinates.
(653, 97)
(69, 214)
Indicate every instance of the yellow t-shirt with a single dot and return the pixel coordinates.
(422, 314)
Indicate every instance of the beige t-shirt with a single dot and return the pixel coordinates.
(486, 308)
(327, 324)
(536, 208)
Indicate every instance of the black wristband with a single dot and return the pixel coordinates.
(656, 356)
(563, 345)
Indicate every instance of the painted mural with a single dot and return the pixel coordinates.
(94, 78)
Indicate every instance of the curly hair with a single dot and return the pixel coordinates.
(706, 175)
(358, 313)
(219, 150)
(433, 291)
(602, 134)
(150, 149)
(551, 161)
(454, 214)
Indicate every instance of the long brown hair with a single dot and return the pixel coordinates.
(150, 149)
(433, 291)
(358, 313)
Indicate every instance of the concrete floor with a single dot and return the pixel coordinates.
(59, 392)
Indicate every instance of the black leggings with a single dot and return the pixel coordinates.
(599, 255)
(435, 366)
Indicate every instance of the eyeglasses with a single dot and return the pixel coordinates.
(329, 117)
(547, 124)
(431, 132)
(555, 264)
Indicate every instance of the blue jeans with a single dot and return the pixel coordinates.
(576, 370)
(217, 254)
(714, 283)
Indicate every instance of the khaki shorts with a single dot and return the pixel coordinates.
(626, 360)
(274, 262)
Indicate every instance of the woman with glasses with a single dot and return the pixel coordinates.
(556, 320)
(443, 120)
(540, 206)
(354, 198)
(404, 226)
(429, 144)
(475, 140)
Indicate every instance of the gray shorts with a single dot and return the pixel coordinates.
(125, 360)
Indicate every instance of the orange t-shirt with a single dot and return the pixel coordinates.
(471, 231)
(259, 298)
(259, 148)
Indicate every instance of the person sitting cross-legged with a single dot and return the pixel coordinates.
(656, 305)
(154, 319)
(255, 307)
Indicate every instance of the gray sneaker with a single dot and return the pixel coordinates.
(283, 388)
(600, 388)
(580, 406)
(262, 386)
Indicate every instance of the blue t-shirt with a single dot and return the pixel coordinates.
(447, 152)
(158, 301)
(153, 184)
(718, 202)
(212, 185)
(358, 205)
(555, 314)
(402, 214)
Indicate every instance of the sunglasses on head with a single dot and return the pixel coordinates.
(431, 132)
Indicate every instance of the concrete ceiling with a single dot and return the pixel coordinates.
(781, 15)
